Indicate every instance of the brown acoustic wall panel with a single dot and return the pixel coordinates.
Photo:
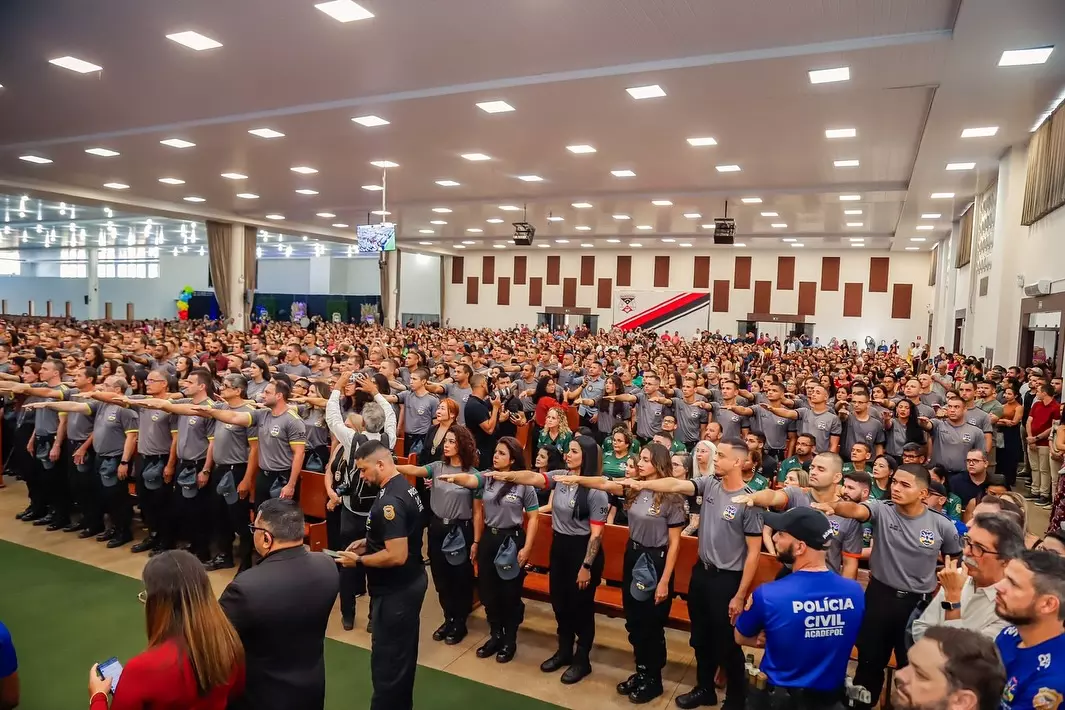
(742, 276)
(852, 300)
(457, 274)
(878, 274)
(554, 268)
(721, 289)
(702, 272)
(569, 293)
(472, 289)
(830, 273)
(503, 291)
(624, 275)
(785, 273)
(520, 265)
(661, 272)
(901, 300)
(536, 291)
(763, 293)
(587, 271)
(807, 298)
(488, 269)
(603, 299)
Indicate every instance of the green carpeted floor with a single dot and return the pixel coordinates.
(64, 616)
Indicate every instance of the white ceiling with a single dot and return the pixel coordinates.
(920, 72)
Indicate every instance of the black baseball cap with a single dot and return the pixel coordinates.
(938, 488)
(805, 524)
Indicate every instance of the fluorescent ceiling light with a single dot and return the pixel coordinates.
(446, 183)
(171, 181)
(194, 40)
(700, 142)
(985, 132)
(475, 157)
(178, 143)
(442, 210)
(846, 163)
(857, 239)
(193, 198)
(796, 245)
(373, 188)
(841, 133)
(739, 244)
(500, 246)
(102, 152)
(459, 246)
(247, 196)
(727, 168)
(662, 203)
(770, 214)
(234, 176)
(613, 241)
(942, 195)
(789, 239)
(275, 216)
(381, 213)
(437, 221)
(510, 208)
(925, 228)
(266, 133)
(561, 241)
(580, 148)
(35, 159)
(495, 106)
(306, 191)
(708, 226)
(931, 215)
(582, 205)
(1024, 57)
(475, 230)
(918, 239)
(326, 215)
(857, 246)
(384, 164)
(913, 248)
(668, 241)
(304, 170)
(778, 225)
(827, 76)
(116, 186)
(340, 225)
(960, 166)
(370, 121)
(75, 64)
(494, 220)
(751, 200)
(652, 91)
(530, 178)
(426, 231)
(622, 173)
(541, 246)
(692, 215)
(849, 198)
(684, 244)
(855, 224)
(587, 246)
(584, 228)
(344, 10)
(556, 218)
(621, 216)
(643, 226)
(852, 211)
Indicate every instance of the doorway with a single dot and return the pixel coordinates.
(959, 327)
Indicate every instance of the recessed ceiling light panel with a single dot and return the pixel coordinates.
(306, 191)
(846, 163)
(370, 121)
(476, 157)
(447, 183)
(727, 168)
(751, 200)
(234, 176)
(194, 40)
(662, 203)
(1024, 57)
(623, 173)
(849, 198)
(960, 166)
(35, 159)
(178, 143)
(841, 133)
(266, 133)
(828, 76)
(384, 164)
(984, 132)
(373, 188)
(702, 141)
(942, 195)
(495, 106)
(652, 91)
(102, 152)
(171, 181)
(304, 170)
(530, 178)
(74, 64)
(116, 186)
(344, 10)
(582, 205)
(580, 148)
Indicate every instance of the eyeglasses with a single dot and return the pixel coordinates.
(142, 596)
(970, 462)
(978, 550)
(253, 527)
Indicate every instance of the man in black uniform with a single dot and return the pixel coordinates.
(392, 556)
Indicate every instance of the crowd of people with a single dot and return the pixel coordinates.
(910, 470)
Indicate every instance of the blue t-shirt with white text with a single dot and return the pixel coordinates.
(811, 622)
(1035, 677)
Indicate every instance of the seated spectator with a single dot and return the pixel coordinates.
(966, 596)
(194, 661)
(9, 686)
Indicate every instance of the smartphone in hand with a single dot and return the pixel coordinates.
(110, 669)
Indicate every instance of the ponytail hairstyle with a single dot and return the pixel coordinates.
(590, 466)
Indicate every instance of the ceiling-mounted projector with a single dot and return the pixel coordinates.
(523, 234)
(724, 230)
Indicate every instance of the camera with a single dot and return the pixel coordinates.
(342, 489)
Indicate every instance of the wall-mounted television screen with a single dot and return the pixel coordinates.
(375, 238)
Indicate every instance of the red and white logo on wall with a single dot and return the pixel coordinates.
(626, 303)
(656, 309)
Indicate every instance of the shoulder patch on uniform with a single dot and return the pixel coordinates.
(390, 512)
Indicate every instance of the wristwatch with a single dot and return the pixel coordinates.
(124, 463)
(586, 566)
(950, 606)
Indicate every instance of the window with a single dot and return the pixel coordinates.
(10, 264)
(114, 262)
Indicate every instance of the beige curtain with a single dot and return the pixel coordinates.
(219, 243)
(965, 244)
(1044, 189)
(251, 268)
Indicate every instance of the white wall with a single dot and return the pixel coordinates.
(354, 276)
(419, 283)
(905, 267)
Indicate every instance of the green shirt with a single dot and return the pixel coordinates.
(561, 443)
(613, 466)
(878, 493)
(953, 507)
(848, 467)
(678, 447)
(758, 483)
(788, 465)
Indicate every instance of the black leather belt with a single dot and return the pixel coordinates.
(505, 531)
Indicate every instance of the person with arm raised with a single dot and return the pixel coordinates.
(817, 420)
